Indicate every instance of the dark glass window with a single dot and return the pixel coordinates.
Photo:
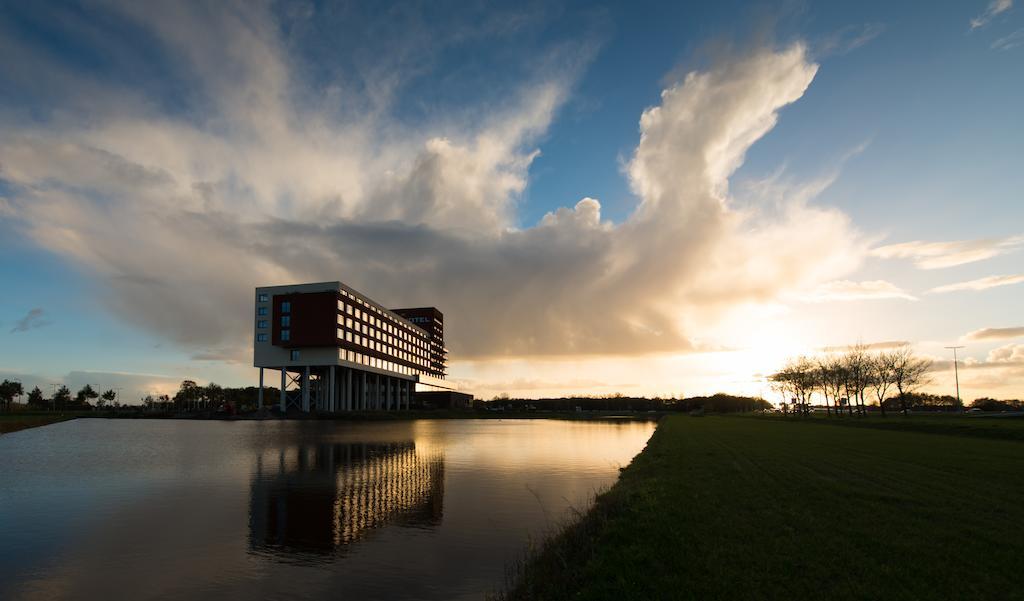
(295, 355)
(286, 307)
(263, 298)
(286, 321)
(261, 337)
(286, 334)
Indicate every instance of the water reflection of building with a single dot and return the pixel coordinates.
(318, 498)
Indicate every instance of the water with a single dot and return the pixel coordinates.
(426, 509)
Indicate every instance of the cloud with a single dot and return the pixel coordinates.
(277, 181)
(35, 318)
(874, 346)
(1009, 41)
(849, 38)
(845, 290)
(994, 8)
(1011, 353)
(995, 334)
(938, 255)
(985, 283)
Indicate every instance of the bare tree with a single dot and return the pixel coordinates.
(909, 373)
(857, 371)
(882, 376)
(831, 378)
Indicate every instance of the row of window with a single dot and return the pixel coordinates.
(375, 345)
(361, 359)
(413, 345)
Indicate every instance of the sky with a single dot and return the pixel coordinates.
(602, 198)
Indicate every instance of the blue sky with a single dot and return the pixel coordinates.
(912, 114)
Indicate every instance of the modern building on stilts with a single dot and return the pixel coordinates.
(338, 350)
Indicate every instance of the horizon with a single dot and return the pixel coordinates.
(641, 200)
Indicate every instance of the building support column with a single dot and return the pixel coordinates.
(363, 396)
(332, 396)
(259, 397)
(284, 383)
(305, 390)
(348, 389)
(387, 394)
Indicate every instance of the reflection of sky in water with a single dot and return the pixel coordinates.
(420, 510)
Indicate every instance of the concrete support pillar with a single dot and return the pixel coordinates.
(348, 389)
(305, 390)
(259, 397)
(387, 392)
(331, 396)
(284, 383)
(363, 394)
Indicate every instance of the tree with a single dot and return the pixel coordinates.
(187, 395)
(857, 371)
(9, 390)
(85, 395)
(62, 398)
(909, 373)
(797, 379)
(882, 376)
(35, 398)
(214, 395)
(831, 377)
(107, 397)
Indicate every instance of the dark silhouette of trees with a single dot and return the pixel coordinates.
(62, 398)
(35, 399)
(909, 373)
(8, 391)
(84, 396)
(856, 367)
(107, 398)
(883, 376)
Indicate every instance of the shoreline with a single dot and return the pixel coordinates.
(737, 507)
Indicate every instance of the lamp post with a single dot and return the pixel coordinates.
(956, 376)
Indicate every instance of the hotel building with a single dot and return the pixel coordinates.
(338, 350)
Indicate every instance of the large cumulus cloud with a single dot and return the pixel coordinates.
(182, 216)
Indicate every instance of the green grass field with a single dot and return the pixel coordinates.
(982, 426)
(12, 422)
(748, 508)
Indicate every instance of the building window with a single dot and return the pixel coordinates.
(263, 298)
(286, 307)
(261, 337)
(286, 321)
(261, 311)
(286, 334)
(261, 324)
(295, 355)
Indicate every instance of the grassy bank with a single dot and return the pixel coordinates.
(12, 422)
(739, 508)
(995, 426)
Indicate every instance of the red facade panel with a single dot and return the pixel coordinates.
(312, 319)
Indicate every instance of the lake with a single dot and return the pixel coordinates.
(177, 509)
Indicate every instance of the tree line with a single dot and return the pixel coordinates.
(61, 400)
(717, 403)
(189, 397)
(848, 381)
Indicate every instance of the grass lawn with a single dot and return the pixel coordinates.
(746, 508)
(12, 422)
(980, 425)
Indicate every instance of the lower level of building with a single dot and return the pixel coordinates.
(336, 388)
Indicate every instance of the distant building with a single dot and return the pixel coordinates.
(338, 350)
